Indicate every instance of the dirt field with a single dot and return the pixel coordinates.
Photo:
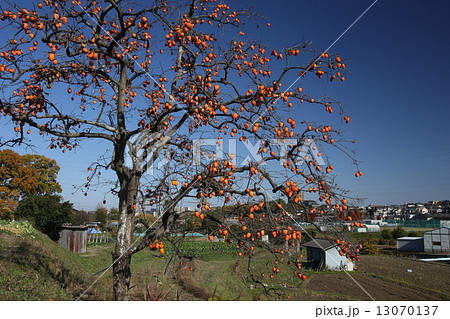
(385, 278)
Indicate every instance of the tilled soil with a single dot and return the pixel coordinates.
(386, 278)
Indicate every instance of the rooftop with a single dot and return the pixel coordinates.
(323, 244)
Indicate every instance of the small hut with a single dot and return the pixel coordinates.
(323, 254)
(74, 238)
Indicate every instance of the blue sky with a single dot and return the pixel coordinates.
(395, 95)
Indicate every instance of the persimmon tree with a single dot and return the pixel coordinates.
(159, 81)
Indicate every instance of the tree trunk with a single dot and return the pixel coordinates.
(121, 276)
(121, 254)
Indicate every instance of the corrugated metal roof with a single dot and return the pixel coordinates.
(75, 227)
(323, 244)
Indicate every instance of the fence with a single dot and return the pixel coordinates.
(99, 238)
(421, 223)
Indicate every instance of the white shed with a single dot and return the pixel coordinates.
(373, 228)
(368, 229)
(324, 254)
(437, 240)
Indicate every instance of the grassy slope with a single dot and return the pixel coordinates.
(32, 267)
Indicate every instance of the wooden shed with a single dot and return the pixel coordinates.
(74, 238)
(323, 254)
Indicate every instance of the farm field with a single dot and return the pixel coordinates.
(32, 267)
(387, 278)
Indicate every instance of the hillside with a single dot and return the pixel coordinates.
(33, 267)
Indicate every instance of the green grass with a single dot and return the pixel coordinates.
(213, 273)
(202, 249)
(25, 273)
(364, 236)
(32, 267)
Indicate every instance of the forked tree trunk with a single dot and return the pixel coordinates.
(121, 254)
(129, 179)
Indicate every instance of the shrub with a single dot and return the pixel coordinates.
(386, 234)
(369, 249)
(398, 232)
(413, 234)
(47, 212)
(17, 228)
